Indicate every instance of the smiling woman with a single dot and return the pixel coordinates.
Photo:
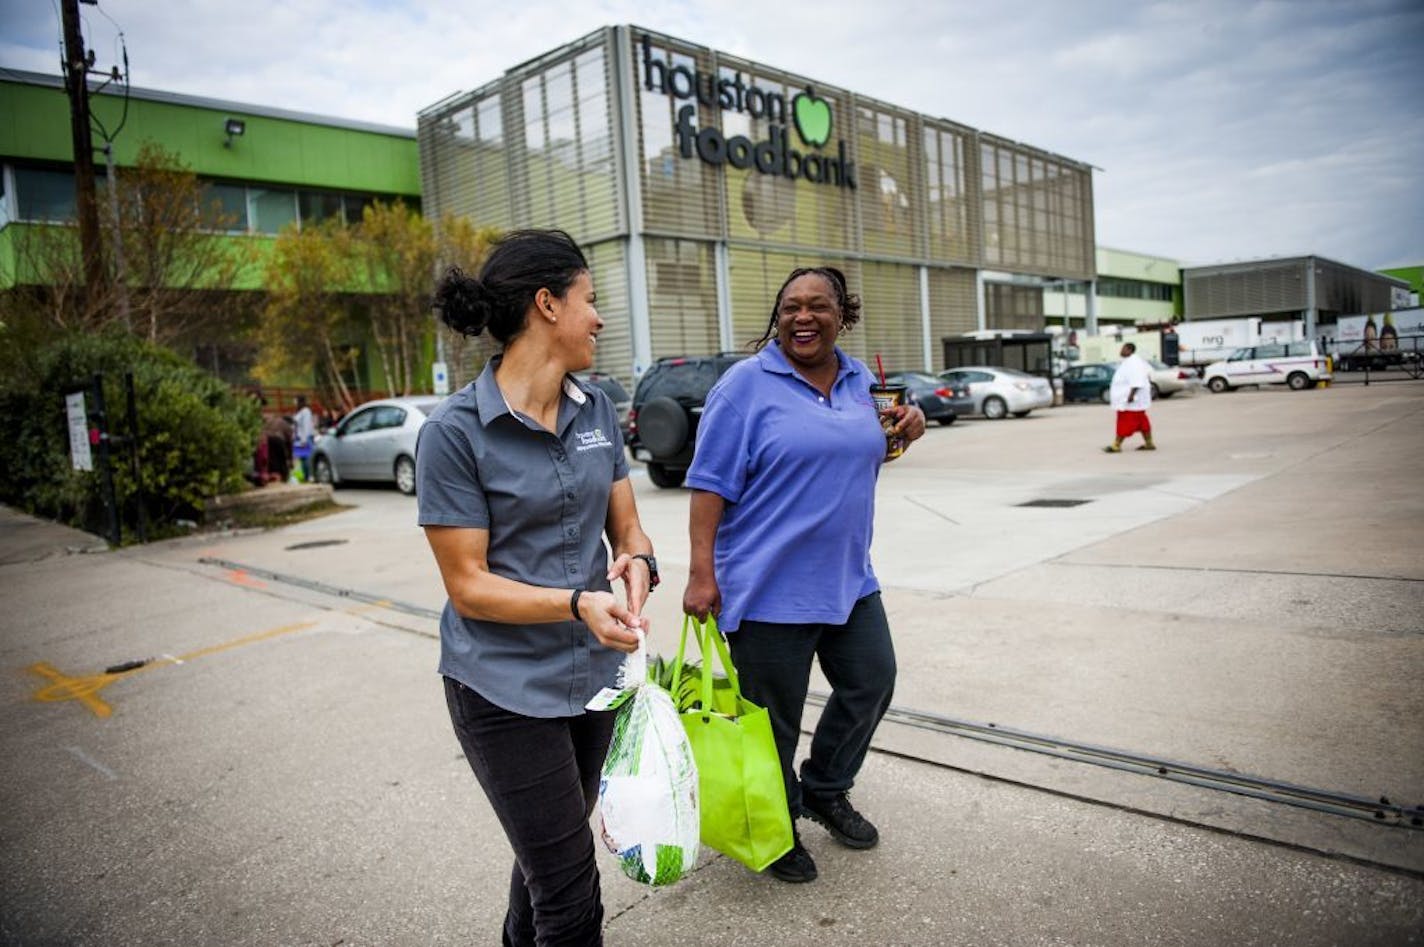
(518, 482)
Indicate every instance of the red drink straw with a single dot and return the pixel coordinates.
(881, 367)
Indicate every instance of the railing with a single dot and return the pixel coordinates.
(1392, 359)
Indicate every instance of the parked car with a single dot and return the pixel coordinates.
(1088, 382)
(613, 388)
(667, 404)
(1168, 380)
(1298, 365)
(375, 442)
(936, 397)
(997, 392)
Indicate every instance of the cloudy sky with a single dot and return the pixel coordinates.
(1225, 129)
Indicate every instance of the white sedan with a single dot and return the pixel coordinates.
(998, 392)
(376, 441)
(1167, 380)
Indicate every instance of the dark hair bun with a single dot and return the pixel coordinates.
(463, 302)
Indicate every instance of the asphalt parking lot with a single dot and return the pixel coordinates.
(1248, 599)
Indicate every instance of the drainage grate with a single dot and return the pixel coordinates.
(317, 544)
(1055, 504)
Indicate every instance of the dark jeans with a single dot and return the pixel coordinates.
(858, 659)
(541, 776)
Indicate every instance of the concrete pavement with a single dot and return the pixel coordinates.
(1248, 598)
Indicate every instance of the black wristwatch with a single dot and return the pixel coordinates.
(653, 577)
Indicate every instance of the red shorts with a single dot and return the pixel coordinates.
(1130, 422)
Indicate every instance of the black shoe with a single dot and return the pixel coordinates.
(846, 826)
(795, 867)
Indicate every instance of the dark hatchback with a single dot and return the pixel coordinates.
(667, 404)
(937, 398)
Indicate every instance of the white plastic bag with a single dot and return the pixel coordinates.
(647, 797)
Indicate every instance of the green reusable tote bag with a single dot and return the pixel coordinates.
(742, 798)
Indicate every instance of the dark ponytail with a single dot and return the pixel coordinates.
(520, 264)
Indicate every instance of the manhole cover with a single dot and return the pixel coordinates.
(1055, 504)
(317, 544)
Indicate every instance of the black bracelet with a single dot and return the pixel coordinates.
(573, 604)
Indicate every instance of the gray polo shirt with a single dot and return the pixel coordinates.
(543, 496)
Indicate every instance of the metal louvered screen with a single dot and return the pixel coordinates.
(682, 296)
(890, 195)
(890, 323)
(953, 217)
(608, 267)
(1037, 211)
(464, 165)
(681, 196)
(952, 308)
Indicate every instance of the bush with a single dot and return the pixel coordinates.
(196, 434)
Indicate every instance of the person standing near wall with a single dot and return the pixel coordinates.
(1131, 395)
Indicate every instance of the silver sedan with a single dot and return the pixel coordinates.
(998, 392)
(374, 442)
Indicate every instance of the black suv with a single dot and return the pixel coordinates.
(662, 425)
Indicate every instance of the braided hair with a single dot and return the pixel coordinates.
(847, 302)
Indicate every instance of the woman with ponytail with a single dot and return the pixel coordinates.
(519, 476)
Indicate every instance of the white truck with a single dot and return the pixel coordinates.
(1200, 343)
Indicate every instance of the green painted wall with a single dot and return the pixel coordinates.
(1413, 275)
(34, 124)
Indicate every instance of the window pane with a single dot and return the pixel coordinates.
(272, 209)
(356, 205)
(317, 206)
(225, 207)
(45, 195)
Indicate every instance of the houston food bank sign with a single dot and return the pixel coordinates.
(811, 115)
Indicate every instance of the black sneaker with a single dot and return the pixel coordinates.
(846, 826)
(795, 867)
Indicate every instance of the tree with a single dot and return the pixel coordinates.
(307, 317)
(180, 266)
(463, 244)
(178, 262)
(398, 249)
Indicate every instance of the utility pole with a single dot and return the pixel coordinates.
(76, 83)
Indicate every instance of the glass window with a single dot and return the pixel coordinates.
(356, 205)
(271, 208)
(359, 422)
(317, 206)
(45, 194)
(388, 416)
(491, 127)
(1270, 351)
(225, 207)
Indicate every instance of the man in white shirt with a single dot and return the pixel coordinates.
(1131, 394)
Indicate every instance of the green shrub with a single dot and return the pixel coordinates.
(196, 434)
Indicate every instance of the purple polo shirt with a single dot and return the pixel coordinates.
(798, 472)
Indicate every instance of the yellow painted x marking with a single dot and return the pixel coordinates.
(86, 689)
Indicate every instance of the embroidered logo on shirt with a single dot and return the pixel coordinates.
(591, 440)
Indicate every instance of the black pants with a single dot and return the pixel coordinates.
(541, 776)
(858, 659)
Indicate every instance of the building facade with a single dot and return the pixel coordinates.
(1131, 289)
(696, 181)
(1310, 288)
(267, 167)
